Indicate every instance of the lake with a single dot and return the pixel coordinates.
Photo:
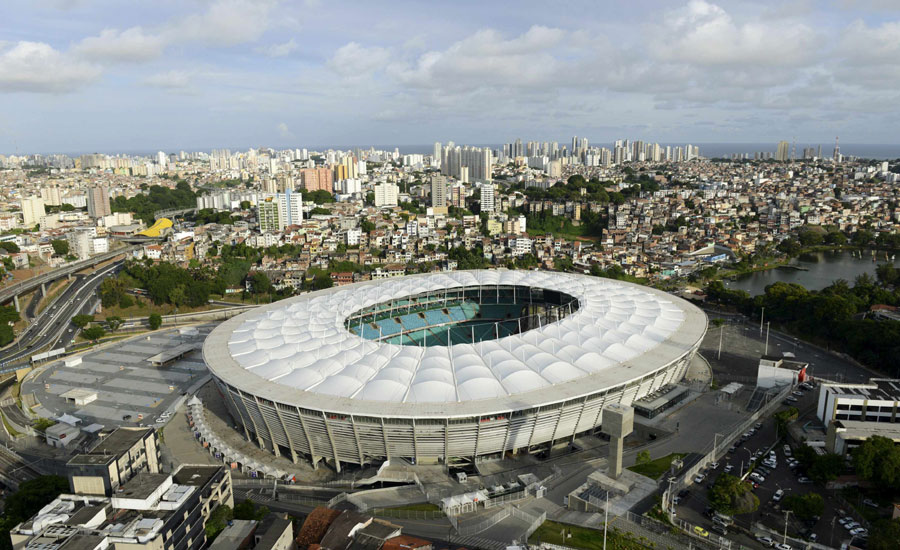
(822, 269)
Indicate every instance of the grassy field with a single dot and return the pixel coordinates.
(582, 537)
(655, 468)
(148, 308)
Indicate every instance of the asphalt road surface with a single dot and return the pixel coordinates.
(53, 328)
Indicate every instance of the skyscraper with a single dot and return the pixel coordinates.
(837, 151)
(436, 159)
(783, 152)
(98, 201)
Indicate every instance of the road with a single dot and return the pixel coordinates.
(53, 326)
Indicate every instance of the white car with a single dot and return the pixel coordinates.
(728, 468)
(783, 546)
(787, 450)
(757, 477)
(859, 532)
(699, 478)
(777, 496)
(713, 465)
(766, 541)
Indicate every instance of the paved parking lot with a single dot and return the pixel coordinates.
(127, 385)
(770, 514)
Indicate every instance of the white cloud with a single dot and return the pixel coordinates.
(279, 50)
(487, 58)
(225, 23)
(284, 131)
(37, 67)
(705, 34)
(353, 60)
(130, 45)
(171, 80)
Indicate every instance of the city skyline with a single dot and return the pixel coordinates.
(79, 76)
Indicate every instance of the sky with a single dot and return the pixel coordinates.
(133, 75)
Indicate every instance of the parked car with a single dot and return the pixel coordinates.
(700, 531)
(783, 546)
(871, 503)
(732, 449)
(787, 450)
(758, 425)
(759, 478)
(797, 393)
(766, 541)
(728, 468)
(777, 496)
(803, 480)
(699, 478)
(713, 465)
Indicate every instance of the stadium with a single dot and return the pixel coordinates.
(446, 367)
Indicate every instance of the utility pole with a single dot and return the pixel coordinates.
(787, 513)
(767, 337)
(761, 318)
(721, 331)
(605, 520)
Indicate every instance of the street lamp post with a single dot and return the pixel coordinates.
(761, 318)
(767, 337)
(787, 513)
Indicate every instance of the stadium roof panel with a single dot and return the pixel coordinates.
(301, 347)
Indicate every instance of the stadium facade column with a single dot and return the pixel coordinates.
(415, 441)
(580, 414)
(259, 408)
(387, 446)
(236, 409)
(359, 449)
(337, 459)
(287, 434)
(313, 457)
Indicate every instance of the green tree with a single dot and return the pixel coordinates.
(10, 247)
(155, 321)
(31, 496)
(884, 534)
(730, 495)
(60, 246)
(82, 321)
(878, 460)
(805, 506)
(643, 457)
(260, 283)
(320, 197)
(113, 323)
(245, 205)
(217, 521)
(93, 333)
(826, 467)
(126, 301)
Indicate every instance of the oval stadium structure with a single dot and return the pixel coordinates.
(447, 366)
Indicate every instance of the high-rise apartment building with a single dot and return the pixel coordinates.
(267, 215)
(290, 209)
(386, 194)
(32, 210)
(439, 186)
(436, 155)
(51, 195)
(98, 201)
(317, 179)
(487, 198)
(783, 152)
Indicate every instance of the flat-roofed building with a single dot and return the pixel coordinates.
(854, 412)
(151, 511)
(114, 460)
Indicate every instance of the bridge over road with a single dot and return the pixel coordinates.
(13, 291)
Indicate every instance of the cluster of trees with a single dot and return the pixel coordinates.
(594, 190)
(8, 315)
(319, 197)
(157, 198)
(828, 316)
(820, 468)
(60, 247)
(730, 495)
(32, 495)
(223, 514)
(805, 506)
(208, 215)
(468, 258)
(878, 460)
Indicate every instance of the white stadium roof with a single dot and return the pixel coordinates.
(301, 347)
